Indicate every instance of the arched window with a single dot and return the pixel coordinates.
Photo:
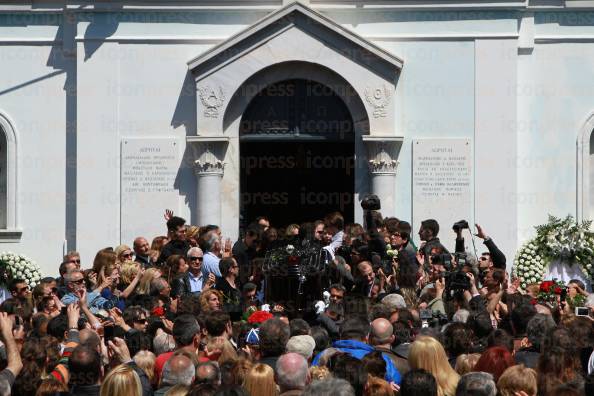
(8, 182)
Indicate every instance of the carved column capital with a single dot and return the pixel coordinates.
(382, 153)
(378, 166)
(209, 154)
(202, 167)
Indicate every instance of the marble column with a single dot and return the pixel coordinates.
(209, 167)
(382, 161)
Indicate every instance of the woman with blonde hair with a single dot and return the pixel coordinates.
(465, 363)
(241, 368)
(146, 361)
(428, 354)
(210, 300)
(128, 272)
(516, 379)
(292, 230)
(259, 381)
(121, 381)
(124, 254)
(144, 285)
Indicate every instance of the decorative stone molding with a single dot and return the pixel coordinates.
(208, 153)
(202, 167)
(209, 166)
(383, 166)
(212, 100)
(382, 152)
(379, 98)
(382, 157)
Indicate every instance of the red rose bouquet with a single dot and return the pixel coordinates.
(550, 292)
(259, 317)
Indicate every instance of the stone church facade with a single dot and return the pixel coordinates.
(111, 112)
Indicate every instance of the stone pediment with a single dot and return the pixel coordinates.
(295, 42)
(296, 15)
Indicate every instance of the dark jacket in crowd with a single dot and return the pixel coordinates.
(173, 247)
(497, 255)
(180, 286)
(527, 356)
(244, 256)
(85, 390)
(429, 246)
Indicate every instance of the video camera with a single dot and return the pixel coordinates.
(371, 202)
(456, 281)
(432, 319)
(460, 225)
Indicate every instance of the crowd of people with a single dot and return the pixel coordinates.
(192, 313)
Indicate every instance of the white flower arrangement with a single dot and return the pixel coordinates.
(529, 266)
(558, 239)
(20, 266)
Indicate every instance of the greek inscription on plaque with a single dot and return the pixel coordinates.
(149, 167)
(442, 181)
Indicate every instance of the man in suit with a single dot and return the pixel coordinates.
(193, 281)
(141, 251)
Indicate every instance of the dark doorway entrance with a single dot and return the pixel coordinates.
(297, 154)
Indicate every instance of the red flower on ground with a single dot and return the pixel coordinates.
(259, 317)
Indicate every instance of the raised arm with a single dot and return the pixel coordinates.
(15, 364)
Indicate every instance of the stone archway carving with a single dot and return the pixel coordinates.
(294, 41)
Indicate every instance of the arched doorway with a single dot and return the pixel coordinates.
(297, 154)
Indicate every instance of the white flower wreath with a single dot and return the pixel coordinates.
(20, 266)
(529, 266)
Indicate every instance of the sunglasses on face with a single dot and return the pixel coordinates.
(22, 289)
(140, 321)
(192, 258)
(78, 282)
(483, 258)
(127, 255)
(75, 261)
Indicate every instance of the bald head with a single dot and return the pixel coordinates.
(208, 373)
(178, 370)
(382, 332)
(292, 372)
(141, 246)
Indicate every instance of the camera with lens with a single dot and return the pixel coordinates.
(444, 259)
(371, 202)
(460, 225)
(432, 319)
(456, 281)
(461, 259)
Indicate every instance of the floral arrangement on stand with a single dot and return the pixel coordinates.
(18, 266)
(558, 239)
(529, 266)
(298, 259)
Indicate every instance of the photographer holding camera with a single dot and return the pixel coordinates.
(428, 234)
(493, 259)
(376, 243)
